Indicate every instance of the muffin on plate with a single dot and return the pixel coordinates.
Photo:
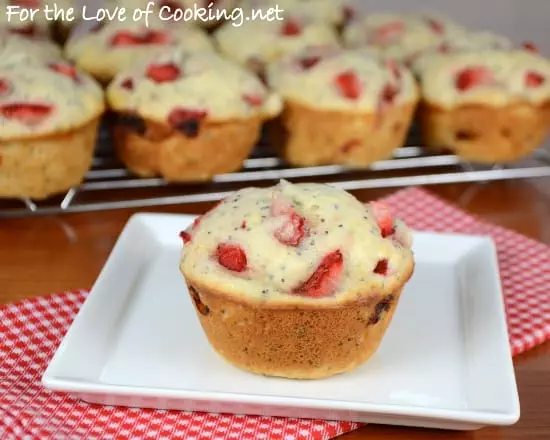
(115, 46)
(188, 116)
(15, 49)
(49, 116)
(488, 107)
(256, 44)
(401, 37)
(341, 107)
(298, 281)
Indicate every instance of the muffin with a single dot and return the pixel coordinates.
(400, 37)
(256, 44)
(487, 107)
(49, 115)
(298, 281)
(15, 49)
(467, 41)
(111, 48)
(21, 24)
(341, 107)
(188, 116)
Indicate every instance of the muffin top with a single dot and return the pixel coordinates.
(178, 85)
(333, 12)
(110, 48)
(49, 98)
(494, 78)
(15, 49)
(36, 28)
(335, 79)
(264, 41)
(399, 36)
(467, 41)
(297, 243)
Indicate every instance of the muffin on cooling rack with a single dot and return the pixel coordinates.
(467, 41)
(14, 49)
(256, 44)
(488, 107)
(400, 37)
(49, 116)
(109, 49)
(298, 281)
(20, 24)
(341, 107)
(188, 116)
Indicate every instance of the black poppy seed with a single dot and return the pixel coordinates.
(248, 229)
(312, 243)
(209, 232)
(326, 232)
(336, 206)
(236, 229)
(340, 226)
(322, 220)
(264, 217)
(282, 280)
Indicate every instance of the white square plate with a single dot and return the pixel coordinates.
(445, 361)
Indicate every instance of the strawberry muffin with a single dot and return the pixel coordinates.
(256, 44)
(488, 107)
(115, 46)
(298, 281)
(15, 49)
(49, 116)
(188, 116)
(39, 27)
(467, 41)
(341, 107)
(401, 37)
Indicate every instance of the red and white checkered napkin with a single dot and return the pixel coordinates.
(31, 330)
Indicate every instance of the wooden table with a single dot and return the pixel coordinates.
(51, 254)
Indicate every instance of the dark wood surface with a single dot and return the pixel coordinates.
(50, 254)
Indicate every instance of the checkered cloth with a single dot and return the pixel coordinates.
(31, 330)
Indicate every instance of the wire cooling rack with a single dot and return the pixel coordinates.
(108, 185)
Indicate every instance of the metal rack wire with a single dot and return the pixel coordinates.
(108, 185)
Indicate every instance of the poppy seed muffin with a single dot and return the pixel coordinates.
(188, 116)
(297, 281)
(49, 115)
(488, 106)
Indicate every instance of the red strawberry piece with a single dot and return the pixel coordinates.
(530, 46)
(309, 62)
(348, 85)
(126, 38)
(186, 121)
(324, 281)
(436, 26)
(253, 100)
(389, 32)
(292, 231)
(171, 5)
(243, 224)
(387, 97)
(231, 256)
(5, 87)
(29, 114)
(127, 84)
(155, 37)
(185, 236)
(65, 69)
(349, 13)
(161, 73)
(291, 28)
(473, 77)
(27, 4)
(444, 48)
(383, 218)
(26, 31)
(395, 69)
(381, 267)
(534, 79)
